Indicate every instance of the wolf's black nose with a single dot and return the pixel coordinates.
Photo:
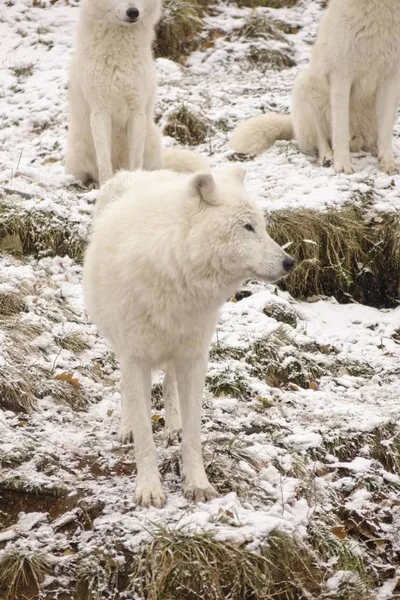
(132, 14)
(288, 263)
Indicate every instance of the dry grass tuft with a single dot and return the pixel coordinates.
(97, 576)
(341, 253)
(265, 58)
(181, 566)
(63, 392)
(17, 389)
(356, 577)
(11, 304)
(282, 314)
(381, 444)
(72, 342)
(258, 26)
(223, 459)
(176, 32)
(39, 233)
(23, 71)
(261, 28)
(279, 361)
(266, 3)
(228, 382)
(187, 127)
(20, 570)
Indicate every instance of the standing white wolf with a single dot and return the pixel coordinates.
(166, 252)
(112, 93)
(348, 97)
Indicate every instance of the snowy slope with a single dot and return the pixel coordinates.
(331, 420)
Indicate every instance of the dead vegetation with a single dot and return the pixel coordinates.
(266, 3)
(22, 71)
(266, 58)
(259, 29)
(22, 571)
(228, 382)
(279, 359)
(258, 26)
(187, 127)
(72, 342)
(96, 575)
(381, 444)
(224, 459)
(17, 389)
(37, 232)
(179, 565)
(179, 25)
(344, 252)
(11, 303)
(341, 252)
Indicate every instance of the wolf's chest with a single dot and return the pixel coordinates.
(376, 43)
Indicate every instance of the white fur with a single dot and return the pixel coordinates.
(112, 91)
(348, 97)
(166, 252)
(182, 160)
(257, 134)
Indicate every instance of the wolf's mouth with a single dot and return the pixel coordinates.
(135, 20)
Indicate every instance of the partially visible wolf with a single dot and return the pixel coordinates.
(112, 93)
(167, 250)
(348, 97)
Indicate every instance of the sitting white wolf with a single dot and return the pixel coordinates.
(348, 97)
(112, 94)
(166, 252)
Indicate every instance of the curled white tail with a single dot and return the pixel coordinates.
(257, 134)
(182, 160)
(179, 160)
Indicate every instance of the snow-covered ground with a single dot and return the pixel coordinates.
(330, 420)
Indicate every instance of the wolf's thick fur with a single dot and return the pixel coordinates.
(112, 90)
(112, 94)
(348, 97)
(166, 252)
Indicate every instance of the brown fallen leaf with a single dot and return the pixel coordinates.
(68, 377)
(326, 349)
(313, 385)
(339, 531)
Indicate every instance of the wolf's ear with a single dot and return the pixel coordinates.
(235, 172)
(203, 184)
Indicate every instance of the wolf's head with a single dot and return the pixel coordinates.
(126, 13)
(228, 237)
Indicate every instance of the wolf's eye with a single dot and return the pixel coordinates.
(249, 227)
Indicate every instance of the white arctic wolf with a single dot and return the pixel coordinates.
(166, 252)
(112, 93)
(347, 99)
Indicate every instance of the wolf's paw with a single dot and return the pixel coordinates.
(388, 167)
(125, 435)
(327, 159)
(149, 492)
(343, 167)
(195, 493)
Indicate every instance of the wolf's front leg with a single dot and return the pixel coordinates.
(100, 123)
(136, 424)
(173, 420)
(340, 87)
(386, 109)
(190, 375)
(136, 131)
